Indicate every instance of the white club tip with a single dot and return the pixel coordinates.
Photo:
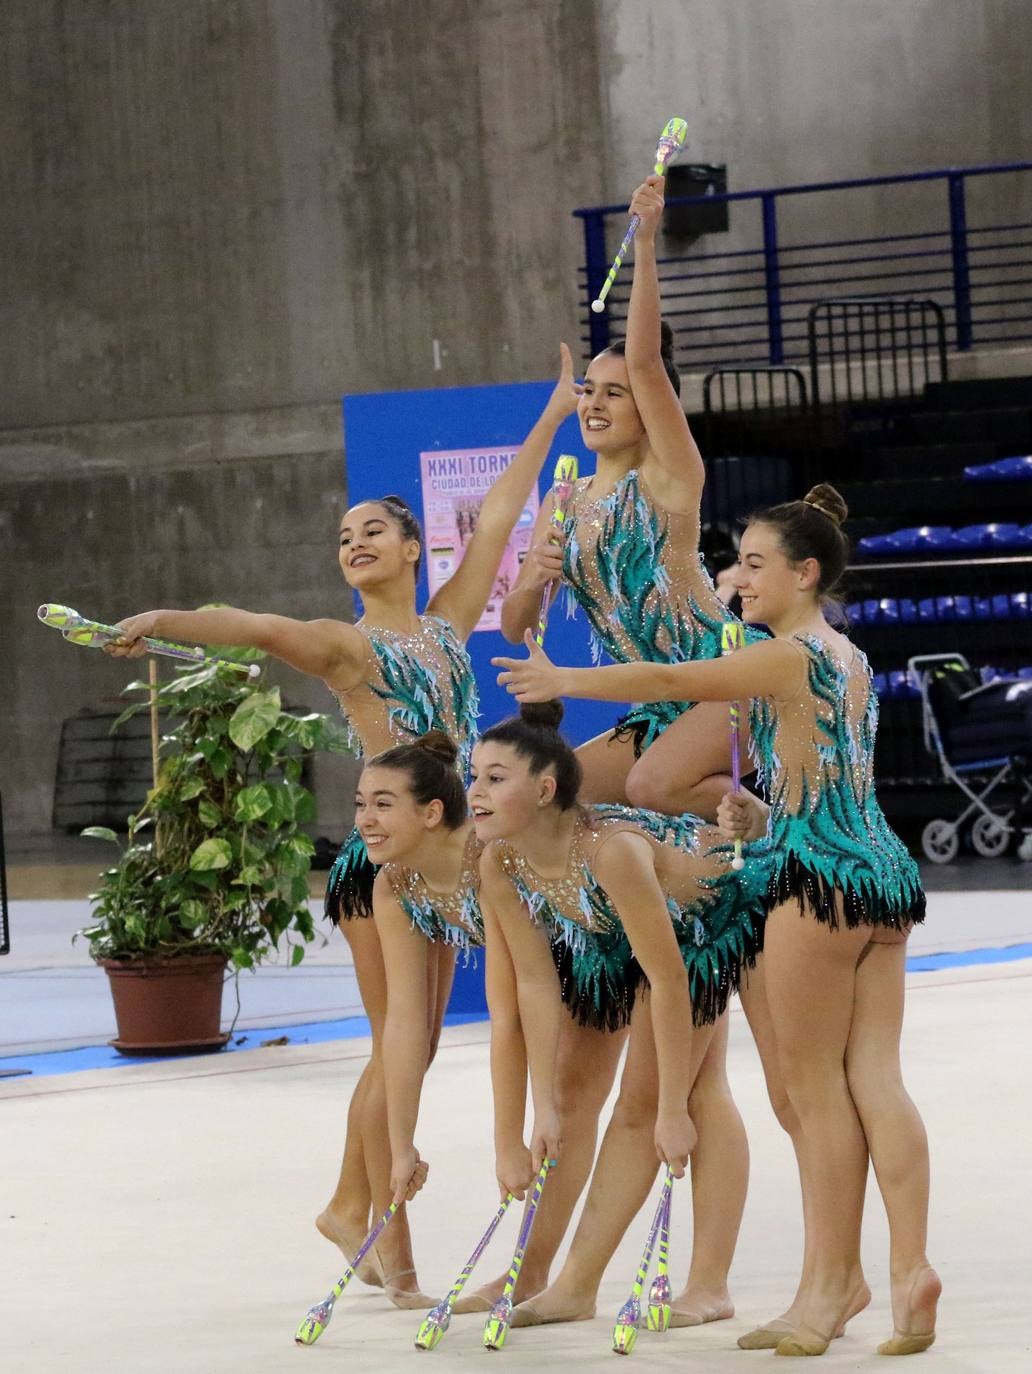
(598, 306)
(738, 864)
(254, 670)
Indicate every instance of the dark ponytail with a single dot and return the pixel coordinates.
(428, 764)
(666, 352)
(534, 734)
(812, 528)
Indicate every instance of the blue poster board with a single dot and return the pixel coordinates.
(384, 434)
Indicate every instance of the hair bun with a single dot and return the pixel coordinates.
(439, 744)
(546, 715)
(825, 498)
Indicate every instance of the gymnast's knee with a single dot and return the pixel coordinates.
(652, 788)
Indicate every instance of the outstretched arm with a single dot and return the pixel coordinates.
(626, 869)
(772, 668)
(462, 599)
(658, 404)
(406, 1040)
(328, 649)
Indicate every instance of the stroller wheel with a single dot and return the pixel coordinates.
(940, 841)
(990, 836)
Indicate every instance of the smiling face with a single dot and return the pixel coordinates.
(373, 548)
(389, 819)
(504, 796)
(608, 416)
(772, 589)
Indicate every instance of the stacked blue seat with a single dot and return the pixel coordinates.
(995, 536)
(940, 610)
(1017, 469)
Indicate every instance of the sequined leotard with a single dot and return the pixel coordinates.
(411, 684)
(636, 572)
(717, 914)
(815, 753)
(452, 918)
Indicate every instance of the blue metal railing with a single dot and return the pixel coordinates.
(750, 305)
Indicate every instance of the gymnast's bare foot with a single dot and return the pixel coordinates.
(915, 1298)
(768, 1336)
(809, 1337)
(555, 1304)
(484, 1298)
(348, 1233)
(696, 1306)
(403, 1290)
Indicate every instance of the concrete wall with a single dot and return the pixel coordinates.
(218, 215)
(226, 204)
(253, 524)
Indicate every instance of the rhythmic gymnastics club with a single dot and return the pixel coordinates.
(670, 142)
(500, 1318)
(317, 1318)
(658, 1315)
(732, 636)
(91, 634)
(628, 1319)
(563, 479)
(438, 1319)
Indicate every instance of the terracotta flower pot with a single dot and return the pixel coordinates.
(167, 1006)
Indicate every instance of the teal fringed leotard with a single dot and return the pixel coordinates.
(833, 849)
(636, 572)
(412, 684)
(448, 918)
(717, 914)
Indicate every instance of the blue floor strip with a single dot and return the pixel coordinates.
(927, 963)
(318, 1032)
(104, 1057)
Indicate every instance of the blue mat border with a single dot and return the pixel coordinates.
(319, 1032)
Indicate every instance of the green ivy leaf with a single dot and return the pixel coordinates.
(254, 718)
(253, 802)
(193, 787)
(207, 879)
(100, 832)
(220, 762)
(192, 913)
(252, 875)
(209, 814)
(297, 953)
(212, 854)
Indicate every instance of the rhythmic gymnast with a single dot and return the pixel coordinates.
(410, 809)
(631, 560)
(636, 918)
(631, 556)
(828, 1012)
(396, 674)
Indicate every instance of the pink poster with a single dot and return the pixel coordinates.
(455, 482)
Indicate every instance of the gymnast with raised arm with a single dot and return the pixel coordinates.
(396, 674)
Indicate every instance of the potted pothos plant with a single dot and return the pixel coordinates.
(213, 873)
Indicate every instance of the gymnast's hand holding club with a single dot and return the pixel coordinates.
(408, 1174)
(136, 630)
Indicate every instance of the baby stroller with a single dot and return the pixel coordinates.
(982, 732)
